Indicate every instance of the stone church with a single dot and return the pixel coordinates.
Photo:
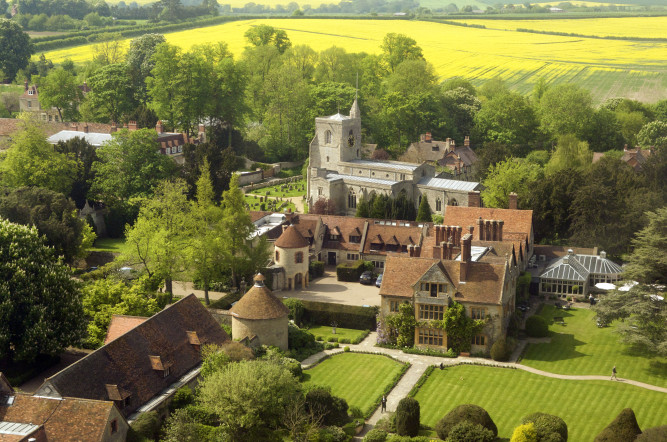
(337, 171)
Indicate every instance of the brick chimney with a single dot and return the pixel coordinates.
(474, 199)
(132, 125)
(500, 229)
(422, 137)
(158, 127)
(494, 230)
(25, 87)
(480, 228)
(85, 128)
(514, 204)
(466, 141)
(428, 137)
(113, 127)
(465, 257)
(471, 229)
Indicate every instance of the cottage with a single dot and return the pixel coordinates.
(459, 159)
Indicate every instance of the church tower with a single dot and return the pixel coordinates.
(337, 139)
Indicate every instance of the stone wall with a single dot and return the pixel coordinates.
(268, 331)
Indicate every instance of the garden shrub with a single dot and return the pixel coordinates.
(407, 417)
(183, 397)
(537, 327)
(316, 269)
(347, 316)
(355, 412)
(346, 349)
(387, 423)
(466, 412)
(296, 309)
(301, 343)
(343, 341)
(624, 427)
(237, 351)
(654, 434)
(524, 433)
(147, 426)
(375, 435)
(470, 432)
(333, 408)
(332, 434)
(350, 272)
(500, 350)
(547, 425)
(332, 339)
(227, 329)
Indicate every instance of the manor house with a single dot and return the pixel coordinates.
(338, 173)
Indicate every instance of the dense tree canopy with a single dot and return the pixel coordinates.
(16, 48)
(59, 89)
(41, 304)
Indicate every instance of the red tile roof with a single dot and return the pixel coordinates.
(121, 324)
(291, 239)
(383, 235)
(515, 221)
(347, 226)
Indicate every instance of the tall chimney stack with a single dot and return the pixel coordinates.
(113, 127)
(466, 141)
(158, 127)
(465, 257)
(428, 137)
(132, 125)
(480, 228)
(514, 203)
(500, 229)
(85, 128)
(474, 199)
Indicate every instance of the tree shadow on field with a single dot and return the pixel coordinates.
(305, 377)
(563, 346)
(657, 366)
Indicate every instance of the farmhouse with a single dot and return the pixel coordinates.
(140, 370)
(29, 102)
(338, 173)
(459, 159)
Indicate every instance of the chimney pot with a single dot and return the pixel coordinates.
(500, 229)
(480, 226)
(158, 127)
(428, 136)
(466, 141)
(514, 203)
(603, 254)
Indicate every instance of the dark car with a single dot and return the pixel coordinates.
(366, 277)
(378, 282)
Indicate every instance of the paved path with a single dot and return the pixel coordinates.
(419, 364)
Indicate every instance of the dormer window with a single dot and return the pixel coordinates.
(333, 237)
(31, 92)
(193, 339)
(355, 239)
(158, 365)
(435, 148)
(120, 396)
(376, 246)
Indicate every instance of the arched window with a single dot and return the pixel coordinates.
(298, 257)
(327, 137)
(352, 200)
(277, 255)
(438, 204)
(453, 202)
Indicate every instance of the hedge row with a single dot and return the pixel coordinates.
(352, 272)
(346, 316)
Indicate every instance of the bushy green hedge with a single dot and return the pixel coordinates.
(500, 350)
(537, 327)
(146, 426)
(375, 435)
(346, 316)
(316, 269)
(623, 428)
(407, 417)
(464, 413)
(296, 309)
(470, 432)
(547, 426)
(350, 272)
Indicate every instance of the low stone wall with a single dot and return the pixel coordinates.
(221, 316)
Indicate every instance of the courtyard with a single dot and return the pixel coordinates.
(329, 289)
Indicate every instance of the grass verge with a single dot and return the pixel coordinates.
(343, 335)
(114, 245)
(508, 395)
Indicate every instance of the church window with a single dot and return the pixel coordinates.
(402, 176)
(327, 137)
(352, 200)
(319, 191)
(453, 202)
(438, 204)
(298, 257)
(327, 159)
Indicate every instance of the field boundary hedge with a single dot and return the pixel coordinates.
(346, 316)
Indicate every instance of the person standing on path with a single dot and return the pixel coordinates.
(384, 403)
(613, 373)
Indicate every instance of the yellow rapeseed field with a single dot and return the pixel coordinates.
(642, 27)
(606, 67)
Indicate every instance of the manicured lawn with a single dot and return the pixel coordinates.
(298, 189)
(508, 395)
(325, 331)
(580, 347)
(108, 245)
(358, 378)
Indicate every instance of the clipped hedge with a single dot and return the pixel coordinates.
(346, 316)
(623, 428)
(470, 432)
(407, 417)
(537, 327)
(465, 413)
(350, 272)
(316, 269)
(548, 426)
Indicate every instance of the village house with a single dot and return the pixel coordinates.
(29, 102)
(141, 369)
(9, 126)
(338, 173)
(634, 158)
(459, 159)
(25, 418)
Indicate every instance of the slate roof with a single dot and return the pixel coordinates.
(360, 179)
(125, 362)
(483, 285)
(121, 324)
(442, 183)
(93, 138)
(397, 165)
(259, 303)
(464, 153)
(70, 419)
(515, 221)
(291, 239)
(11, 125)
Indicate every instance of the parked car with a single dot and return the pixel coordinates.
(366, 277)
(378, 282)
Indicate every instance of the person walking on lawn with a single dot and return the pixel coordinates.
(613, 373)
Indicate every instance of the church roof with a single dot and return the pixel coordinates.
(361, 179)
(386, 164)
(442, 183)
(259, 303)
(291, 239)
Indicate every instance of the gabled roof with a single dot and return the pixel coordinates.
(463, 153)
(346, 225)
(390, 235)
(125, 363)
(121, 324)
(401, 273)
(259, 303)
(573, 267)
(68, 419)
(93, 138)
(291, 239)
(515, 221)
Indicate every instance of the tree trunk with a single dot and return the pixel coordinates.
(168, 287)
(208, 302)
(229, 137)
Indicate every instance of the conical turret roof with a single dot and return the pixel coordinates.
(259, 303)
(291, 239)
(354, 110)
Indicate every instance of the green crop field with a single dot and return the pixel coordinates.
(508, 395)
(360, 379)
(608, 68)
(581, 348)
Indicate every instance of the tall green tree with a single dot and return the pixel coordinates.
(41, 303)
(140, 62)
(264, 35)
(653, 134)
(648, 261)
(32, 161)
(59, 89)
(111, 96)
(512, 175)
(161, 86)
(397, 48)
(85, 156)
(570, 154)
(236, 228)
(16, 48)
(424, 214)
(159, 237)
(507, 118)
(565, 109)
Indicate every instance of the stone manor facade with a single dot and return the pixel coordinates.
(337, 171)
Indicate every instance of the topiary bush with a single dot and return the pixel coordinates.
(623, 428)
(548, 426)
(537, 327)
(470, 432)
(462, 413)
(500, 350)
(333, 408)
(407, 417)
(654, 434)
(355, 412)
(524, 433)
(375, 435)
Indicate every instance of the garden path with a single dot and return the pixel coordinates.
(419, 363)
